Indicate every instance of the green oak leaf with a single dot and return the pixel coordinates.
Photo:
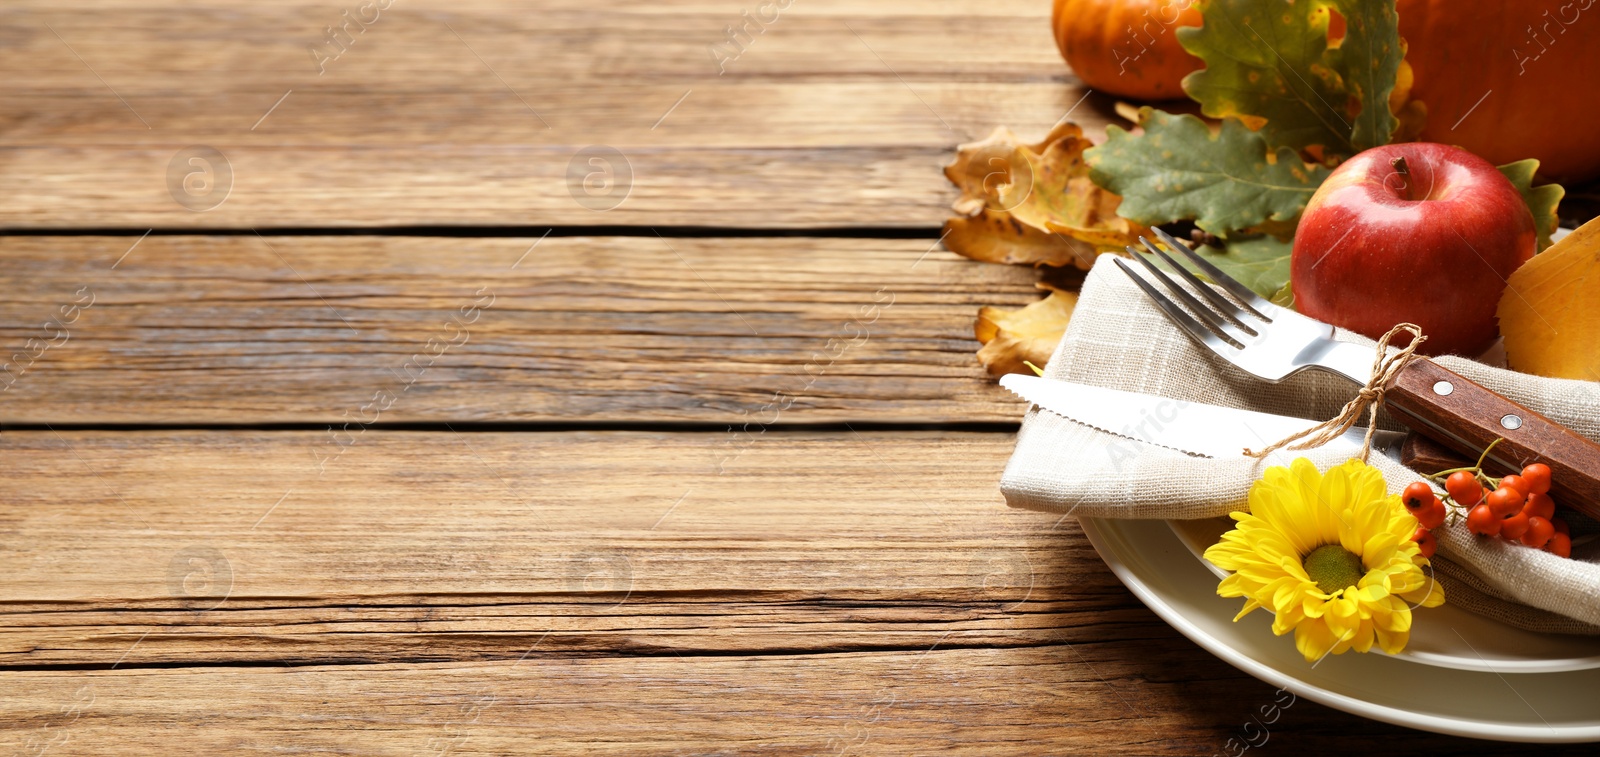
(1542, 200)
(1268, 63)
(1177, 170)
(1369, 61)
(1261, 263)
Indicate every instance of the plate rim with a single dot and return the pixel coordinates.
(1568, 665)
(1092, 528)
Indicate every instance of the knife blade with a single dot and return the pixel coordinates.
(1190, 427)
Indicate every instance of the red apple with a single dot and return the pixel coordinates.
(1417, 232)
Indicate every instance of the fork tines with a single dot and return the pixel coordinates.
(1239, 308)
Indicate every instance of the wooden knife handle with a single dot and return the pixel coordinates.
(1463, 416)
(1418, 452)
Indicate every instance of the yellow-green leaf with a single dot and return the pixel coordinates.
(1285, 296)
(1177, 170)
(1368, 59)
(1542, 200)
(1268, 63)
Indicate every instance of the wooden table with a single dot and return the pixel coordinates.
(361, 423)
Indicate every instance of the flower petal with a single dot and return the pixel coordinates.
(1314, 640)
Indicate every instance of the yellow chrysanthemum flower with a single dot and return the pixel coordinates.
(1331, 556)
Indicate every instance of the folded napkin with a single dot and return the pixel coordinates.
(1119, 340)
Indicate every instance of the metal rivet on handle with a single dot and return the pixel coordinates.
(1442, 388)
(1511, 422)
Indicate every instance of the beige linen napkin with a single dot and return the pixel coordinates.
(1118, 339)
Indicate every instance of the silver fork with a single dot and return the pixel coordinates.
(1240, 326)
(1274, 343)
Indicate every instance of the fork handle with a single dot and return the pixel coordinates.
(1448, 408)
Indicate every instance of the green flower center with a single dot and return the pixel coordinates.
(1333, 568)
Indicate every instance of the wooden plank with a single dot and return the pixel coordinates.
(248, 329)
(251, 546)
(212, 45)
(476, 113)
(1119, 698)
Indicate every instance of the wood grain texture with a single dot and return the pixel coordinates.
(474, 113)
(1418, 452)
(560, 589)
(585, 592)
(244, 547)
(250, 329)
(1117, 698)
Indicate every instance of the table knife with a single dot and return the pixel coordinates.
(1190, 427)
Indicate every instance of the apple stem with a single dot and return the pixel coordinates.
(1400, 167)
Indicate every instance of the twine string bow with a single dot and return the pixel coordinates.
(1384, 369)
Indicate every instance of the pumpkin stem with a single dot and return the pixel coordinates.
(1400, 167)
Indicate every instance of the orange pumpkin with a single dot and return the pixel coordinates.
(1126, 47)
(1505, 80)
(1510, 80)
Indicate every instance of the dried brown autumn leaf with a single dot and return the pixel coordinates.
(981, 168)
(1012, 336)
(1062, 199)
(1547, 314)
(995, 237)
(1017, 197)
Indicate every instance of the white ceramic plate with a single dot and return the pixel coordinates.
(1446, 636)
(1487, 703)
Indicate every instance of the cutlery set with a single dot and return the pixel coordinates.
(1444, 410)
